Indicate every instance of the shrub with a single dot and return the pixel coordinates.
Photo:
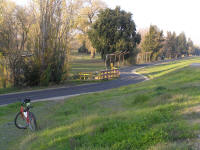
(83, 49)
(32, 74)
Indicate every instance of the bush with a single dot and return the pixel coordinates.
(32, 74)
(45, 77)
(83, 49)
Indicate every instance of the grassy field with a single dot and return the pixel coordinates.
(159, 114)
(164, 68)
(84, 63)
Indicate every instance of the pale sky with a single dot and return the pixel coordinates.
(168, 15)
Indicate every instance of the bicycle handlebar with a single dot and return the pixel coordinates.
(27, 102)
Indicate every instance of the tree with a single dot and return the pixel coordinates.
(14, 31)
(182, 47)
(153, 42)
(143, 33)
(114, 30)
(43, 30)
(87, 15)
(3, 71)
(83, 48)
(169, 46)
(196, 50)
(190, 46)
(55, 20)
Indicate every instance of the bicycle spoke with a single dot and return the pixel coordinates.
(32, 123)
(20, 121)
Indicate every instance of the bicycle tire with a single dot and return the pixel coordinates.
(18, 120)
(33, 122)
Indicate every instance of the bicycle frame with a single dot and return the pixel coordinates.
(23, 116)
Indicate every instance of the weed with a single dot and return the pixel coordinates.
(140, 99)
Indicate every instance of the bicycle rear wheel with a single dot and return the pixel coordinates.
(20, 121)
(33, 123)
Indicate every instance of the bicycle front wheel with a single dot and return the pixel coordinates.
(33, 123)
(20, 121)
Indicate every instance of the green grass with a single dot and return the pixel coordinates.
(84, 63)
(162, 113)
(164, 68)
(27, 89)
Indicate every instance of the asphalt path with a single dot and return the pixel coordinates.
(127, 76)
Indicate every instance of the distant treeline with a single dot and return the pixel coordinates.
(169, 46)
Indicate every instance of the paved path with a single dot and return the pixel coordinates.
(126, 77)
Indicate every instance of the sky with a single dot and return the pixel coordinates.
(168, 15)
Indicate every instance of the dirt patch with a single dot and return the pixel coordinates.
(195, 109)
(192, 114)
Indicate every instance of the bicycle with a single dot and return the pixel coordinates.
(25, 118)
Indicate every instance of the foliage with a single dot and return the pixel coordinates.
(3, 71)
(171, 46)
(176, 46)
(36, 40)
(191, 47)
(14, 32)
(113, 31)
(89, 9)
(45, 77)
(196, 51)
(153, 42)
(32, 74)
(182, 48)
(58, 68)
(83, 48)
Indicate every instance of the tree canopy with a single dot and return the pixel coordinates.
(182, 47)
(43, 30)
(153, 41)
(114, 30)
(169, 46)
(86, 16)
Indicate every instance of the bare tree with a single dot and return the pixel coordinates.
(14, 31)
(43, 30)
(87, 15)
